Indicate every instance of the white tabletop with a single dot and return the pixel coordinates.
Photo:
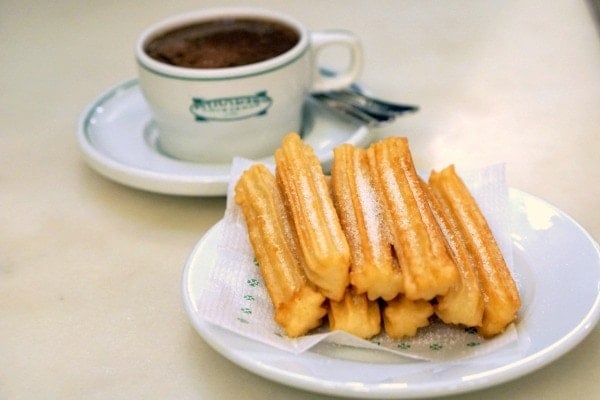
(90, 270)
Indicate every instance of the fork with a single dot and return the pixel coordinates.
(357, 105)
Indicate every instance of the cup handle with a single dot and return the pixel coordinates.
(342, 79)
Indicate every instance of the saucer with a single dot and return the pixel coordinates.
(119, 140)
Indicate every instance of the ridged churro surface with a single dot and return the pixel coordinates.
(373, 269)
(463, 303)
(427, 268)
(298, 305)
(322, 243)
(501, 297)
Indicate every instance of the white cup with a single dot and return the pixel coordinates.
(211, 115)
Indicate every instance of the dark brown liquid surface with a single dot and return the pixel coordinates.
(223, 43)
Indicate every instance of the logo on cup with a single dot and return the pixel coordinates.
(230, 108)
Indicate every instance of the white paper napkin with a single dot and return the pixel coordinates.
(235, 297)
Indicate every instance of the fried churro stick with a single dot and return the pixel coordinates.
(373, 269)
(298, 304)
(323, 246)
(427, 268)
(501, 297)
(403, 317)
(355, 314)
(463, 304)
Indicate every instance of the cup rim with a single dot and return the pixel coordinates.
(169, 23)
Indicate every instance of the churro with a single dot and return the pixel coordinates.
(373, 269)
(500, 294)
(355, 314)
(323, 246)
(427, 268)
(403, 317)
(463, 303)
(298, 304)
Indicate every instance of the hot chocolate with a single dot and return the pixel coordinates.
(223, 43)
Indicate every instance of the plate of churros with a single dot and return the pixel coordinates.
(374, 250)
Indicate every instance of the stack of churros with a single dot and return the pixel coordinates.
(374, 247)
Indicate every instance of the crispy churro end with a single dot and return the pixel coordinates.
(403, 317)
(303, 313)
(355, 314)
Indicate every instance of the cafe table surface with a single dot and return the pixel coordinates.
(90, 269)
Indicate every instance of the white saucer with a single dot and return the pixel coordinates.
(556, 262)
(119, 140)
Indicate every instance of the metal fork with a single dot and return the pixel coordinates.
(366, 109)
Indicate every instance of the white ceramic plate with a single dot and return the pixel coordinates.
(119, 140)
(556, 263)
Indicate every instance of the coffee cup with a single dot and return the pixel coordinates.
(230, 82)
